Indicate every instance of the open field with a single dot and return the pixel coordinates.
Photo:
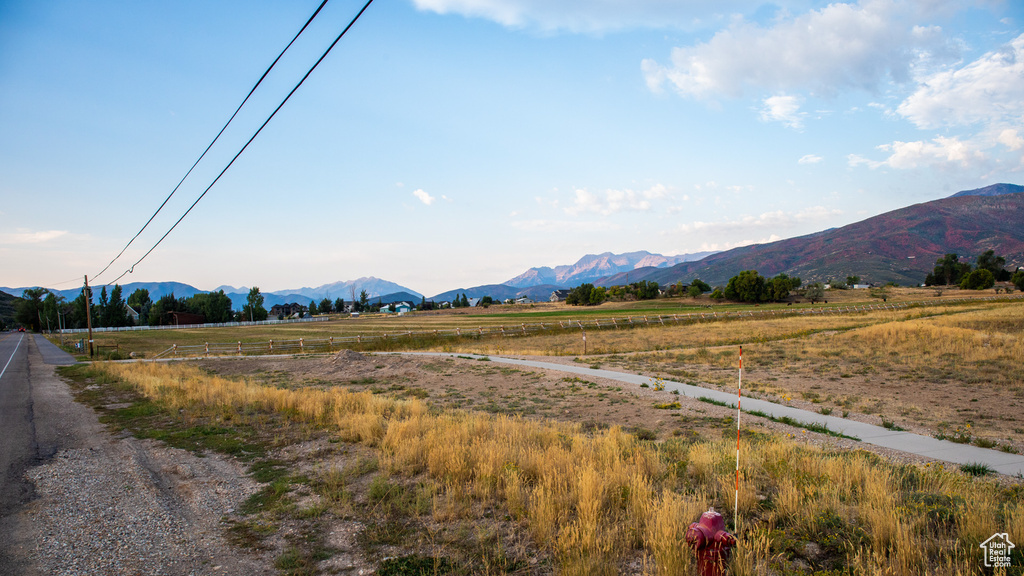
(148, 343)
(381, 475)
(462, 466)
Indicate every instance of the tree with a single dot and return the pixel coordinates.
(55, 311)
(364, 300)
(747, 286)
(29, 310)
(325, 306)
(980, 279)
(948, 270)
(486, 301)
(598, 295)
(253, 309)
(780, 286)
(339, 305)
(994, 264)
(815, 292)
(852, 281)
(114, 313)
(704, 287)
(464, 303)
(646, 290)
(313, 311)
(214, 307)
(1018, 279)
(717, 294)
(580, 295)
(141, 302)
(695, 291)
(97, 319)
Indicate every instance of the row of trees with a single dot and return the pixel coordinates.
(988, 269)
(749, 286)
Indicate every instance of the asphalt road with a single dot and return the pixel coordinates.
(28, 425)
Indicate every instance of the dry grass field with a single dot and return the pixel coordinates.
(406, 465)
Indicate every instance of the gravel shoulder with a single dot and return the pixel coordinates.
(119, 505)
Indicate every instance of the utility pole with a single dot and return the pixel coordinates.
(88, 312)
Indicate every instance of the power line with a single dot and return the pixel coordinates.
(215, 138)
(262, 126)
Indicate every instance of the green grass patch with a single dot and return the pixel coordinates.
(415, 565)
(976, 469)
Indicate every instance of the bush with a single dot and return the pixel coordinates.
(1018, 279)
(980, 279)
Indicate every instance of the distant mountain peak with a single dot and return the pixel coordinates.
(993, 190)
(594, 266)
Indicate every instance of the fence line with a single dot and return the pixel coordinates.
(522, 329)
(185, 326)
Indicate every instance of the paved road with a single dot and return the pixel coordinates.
(1001, 462)
(28, 424)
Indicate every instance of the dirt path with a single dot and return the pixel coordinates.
(106, 505)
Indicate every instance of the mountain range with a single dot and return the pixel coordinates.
(899, 246)
(596, 266)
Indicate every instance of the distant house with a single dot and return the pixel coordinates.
(131, 313)
(524, 300)
(403, 307)
(861, 286)
(186, 318)
(287, 310)
(474, 301)
(559, 296)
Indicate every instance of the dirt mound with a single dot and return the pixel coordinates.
(348, 357)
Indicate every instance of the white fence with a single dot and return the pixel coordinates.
(211, 325)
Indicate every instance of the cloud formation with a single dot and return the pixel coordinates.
(842, 46)
(765, 223)
(23, 236)
(613, 201)
(423, 196)
(592, 16)
(986, 91)
(809, 159)
(785, 109)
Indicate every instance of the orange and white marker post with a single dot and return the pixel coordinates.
(739, 397)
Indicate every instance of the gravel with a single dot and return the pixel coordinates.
(106, 505)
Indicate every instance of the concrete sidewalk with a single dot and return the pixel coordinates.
(51, 353)
(1001, 462)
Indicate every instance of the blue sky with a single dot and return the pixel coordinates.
(451, 143)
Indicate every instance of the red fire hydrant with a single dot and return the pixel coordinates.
(711, 543)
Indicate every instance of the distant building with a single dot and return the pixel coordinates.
(524, 300)
(403, 307)
(131, 313)
(186, 318)
(287, 310)
(559, 296)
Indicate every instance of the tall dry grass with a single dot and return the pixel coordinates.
(597, 501)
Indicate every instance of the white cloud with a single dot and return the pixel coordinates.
(809, 159)
(785, 109)
(23, 236)
(939, 151)
(540, 225)
(592, 16)
(1011, 139)
(613, 201)
(858, 45)
(423, 196)
(768, 221)
(987, 91)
